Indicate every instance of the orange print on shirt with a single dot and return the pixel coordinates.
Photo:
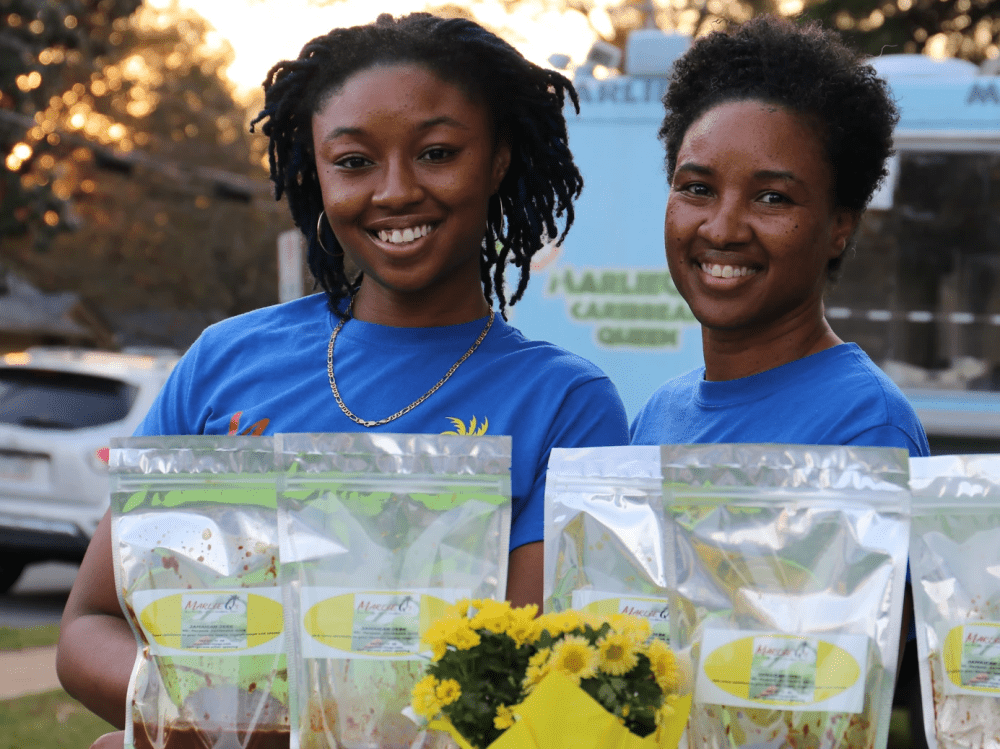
(254, 430)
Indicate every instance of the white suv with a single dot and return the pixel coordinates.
(59, 408)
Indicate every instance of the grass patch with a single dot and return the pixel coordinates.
(28, 637)
(51, 720)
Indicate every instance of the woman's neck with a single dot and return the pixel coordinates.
(730, 355)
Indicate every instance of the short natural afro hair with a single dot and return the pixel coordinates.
(525, 102)
(807, 70)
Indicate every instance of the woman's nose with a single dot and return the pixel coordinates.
(399, 185)
(726, 223)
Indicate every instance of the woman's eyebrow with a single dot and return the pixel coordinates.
(766, 174)
(338, 132)
(442, 120)
(690, 166)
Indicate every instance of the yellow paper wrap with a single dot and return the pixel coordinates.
(559, 715)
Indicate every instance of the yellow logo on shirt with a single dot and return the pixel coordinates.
(473, 430)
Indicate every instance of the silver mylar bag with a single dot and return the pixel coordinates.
(788, 566)
(604, 546)
(379, 534)
(195, 546)
(955, 569)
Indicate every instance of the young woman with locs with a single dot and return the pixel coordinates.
(432, 157)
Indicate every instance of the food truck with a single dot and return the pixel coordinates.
(920, 292)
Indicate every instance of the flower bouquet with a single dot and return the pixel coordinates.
(502, 678)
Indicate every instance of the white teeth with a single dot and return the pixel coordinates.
(726, 271)
(397, 236)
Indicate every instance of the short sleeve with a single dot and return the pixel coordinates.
(169, 413)
(591, 415)
(890, 436)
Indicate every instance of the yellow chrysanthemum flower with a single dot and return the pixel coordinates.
(492, 615)
(664, 665)
(618, 654)
(447, 691)
(458, 610)
(635, 627)
(425, 701)
(666, 709)
(465, 637)
(574, 657)
(523, 628)
(504, 718)
(560, 623)
(538, 667)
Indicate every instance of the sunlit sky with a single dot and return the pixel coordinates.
(262, 32)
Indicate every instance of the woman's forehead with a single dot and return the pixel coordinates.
(755, 131)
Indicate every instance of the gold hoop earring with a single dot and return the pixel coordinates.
(319, 236)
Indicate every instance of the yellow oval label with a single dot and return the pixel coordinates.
(781, 670)
(213, 621)
(377, 623)
(971, 656)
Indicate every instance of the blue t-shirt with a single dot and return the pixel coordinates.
(265, 372)
(835, 397)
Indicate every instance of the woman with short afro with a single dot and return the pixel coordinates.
(422, 158)
(776, 138)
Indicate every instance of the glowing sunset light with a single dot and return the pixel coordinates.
(262, 32)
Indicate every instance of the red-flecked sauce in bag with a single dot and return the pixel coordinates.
(195, 544)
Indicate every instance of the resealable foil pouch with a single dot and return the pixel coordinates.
(955, 572)
(604, 546)
(788, 567)
(380, 533)
(195, 546)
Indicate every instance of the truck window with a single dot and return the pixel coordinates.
(921, 292)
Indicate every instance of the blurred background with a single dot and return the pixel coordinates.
(132, 188)
(135, 210)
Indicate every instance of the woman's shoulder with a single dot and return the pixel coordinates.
(558, 361)
(278, 319)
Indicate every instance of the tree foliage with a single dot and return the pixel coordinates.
(143, 154)
(45, 47)
(969, 29)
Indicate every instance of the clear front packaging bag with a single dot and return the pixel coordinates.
(195, 547)
(380, 533)
(955, 571)
(604, 548)
(788, 566)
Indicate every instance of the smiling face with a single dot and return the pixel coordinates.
(407, 165)
(750, 223)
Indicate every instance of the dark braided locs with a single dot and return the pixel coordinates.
(805, 69)
(526, 104)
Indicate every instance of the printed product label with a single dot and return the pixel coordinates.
(386, 623)
(783, 669)
(791, 672)
(214, 621)
(339, 623)
(242, 621)
(972, 659)
(655, 610)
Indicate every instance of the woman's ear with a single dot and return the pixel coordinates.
(501, 163)
(845, 221)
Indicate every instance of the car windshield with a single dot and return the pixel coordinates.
(44, 399)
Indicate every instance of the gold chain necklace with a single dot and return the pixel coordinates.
(365, 423)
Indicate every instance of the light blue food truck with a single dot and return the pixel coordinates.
(920, 294)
